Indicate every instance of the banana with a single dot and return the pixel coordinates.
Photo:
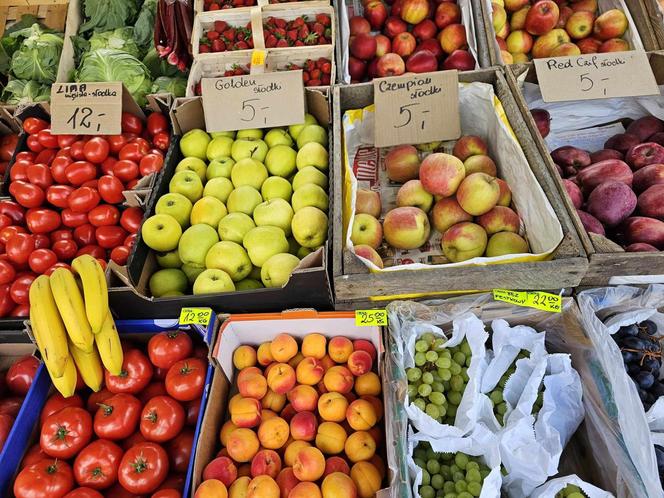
(72, 309)
(89, 366)
(108, 344)
(51, 330)
(94, 290)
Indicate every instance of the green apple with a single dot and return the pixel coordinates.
(277, 270)
(276, 187)
(173, 294)
(277, 136)
(213, 282)
(312, 133)
(219, 168)
(194, 164)
(219, 147)
(175, 205)
(195, 243)
(310, 174)
(194, 143)
(216, 134)
(161, 232)
(192, 271)
(303, 252)
(250, 133)
(234, 227)
(188, 184)
(243, 199)
(248, 172)
(255, 273)
(208, 210)
(275, 213)
(280, 160)
(293, 246)
(309, 227)
(219, 187)
(312, 154)
(230, 257)
(254, 148)
(263, 242)
(310, 195)
(248, 284)
(294, 130)
(168, 280)
(169, 259)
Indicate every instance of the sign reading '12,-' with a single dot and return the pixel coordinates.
(86, 108)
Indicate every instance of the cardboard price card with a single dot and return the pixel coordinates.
(595, 76)
(253, 101)
(86, 108)
(544, 301)
(417, 108)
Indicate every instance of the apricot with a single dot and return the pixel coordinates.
(283, 348)
(286, 481)
(225, 431)
(339, 349)
(267, 414)
(359, 363)
(377, 405)
(361, 415)
(332, 407)
(314, 346)
(266, 462)
(251, 383)
(221, 468)
(303, 426)
(273, 401)
(264, 354)
(364, 345)
(242, 445)
(327, 362)
(309, 464)
(244, 356)
(288, 412)
(367, 479)
(273, 433)
(338, 379)
(295, 360)
(360, 446)
(291, 451)
(303, 398)
(239, 488)
(336, 464)
(378, 463)
(281, 378)
(309, 371)
(246, 412)
(338, 485)
(234, 400)
(377, 434)
(305, 490)
(263, 487)
(368, 384)
(211, 487)
(330, 438)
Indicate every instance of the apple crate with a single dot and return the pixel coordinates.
(638, 34)
(564, 266)
(609, 264)
(51, 13)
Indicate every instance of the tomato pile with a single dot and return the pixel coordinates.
(7, 146)
(133, 438)
(14, 386)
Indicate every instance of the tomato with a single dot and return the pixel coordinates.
(63, 234)
(192, 409)
(72, 219)
(157, 123)
(120, 254)
(162, 419)
(22, 310)
(179, 450)
(96, 466)
(8, 232)
(58, 195)
(76, 150)
(46, 139)
(135, 375)
(117, 416)
(161, 140)
(110, 189)
(21, 374)
(13, 210)
(118, 491)
(185, 380)
(107, 165)
(166, 348)
(96, 150)
(116, 142)
(33, 455)
(167, 493)
(7, 272)
(8, 146)
(104, 215)
(5, 221)
(132, 440)
(131, 123)
(49, 272)
(40, 175)
(83, 199)
(41, 260)
(110, 236)
(173, 481)
(79, 172)
(131, 184)
(131, 219)
(91, 184)
(7, 304)
(45, 479)
(42, 241)
(66, 432)
(84, 234)
(65, 249)
(42, 220)
(66, 140)
(93, 250)
(10, 406)
(19, 247)
(57, 402)
(27, 194)
(19, 172)
(84, 493)
(45, 157)
(131, 240)
(95, 398)
(143, 468)
(20, 289)
(125, 169)
(6, 424)
(34, 125)
(33, 144)
(65, 152)
(151, 163)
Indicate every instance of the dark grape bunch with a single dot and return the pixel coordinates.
(439, 377)
(449, 475)
(659, 454)
(570, 491)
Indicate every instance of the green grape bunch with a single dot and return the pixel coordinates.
(437, 381)
(570, 491)
(449, 475)
(496, 395)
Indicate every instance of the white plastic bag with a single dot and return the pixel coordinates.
(549, 489)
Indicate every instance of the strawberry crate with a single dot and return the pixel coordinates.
(51, 13)
(215, 5)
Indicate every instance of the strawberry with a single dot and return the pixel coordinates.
(212, 35)
(281, 43)
(214, 6)
(203, 48)
(229, 34)
(305, 77)
(239, 36)
(280, 23)
(197, 89)
(220, 26)
(318, 28)
(270, 41)
(324, 19)
(228, 73)
(303, 32)
(279, 32)
(298, 21)
(241, 45)
(310, 39)
(315, 74)
(326, 68)
(239, 71)
(291, 35)
(218, 45)
(310, 65)
(325, 80)
(298, 43)
(313, 83)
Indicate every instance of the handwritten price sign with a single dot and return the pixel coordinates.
(371, 318)
(417, 109)
(86, 108)
(195, 316)
(253, 101)
(539, 300)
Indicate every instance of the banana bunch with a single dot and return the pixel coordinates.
(75, 330)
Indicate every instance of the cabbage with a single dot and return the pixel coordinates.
(164, 84)
(107, 64)
(106, 15)
(118, 39)
(20, 91)
(38, 56)
(144, 26)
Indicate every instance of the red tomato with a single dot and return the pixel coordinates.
(19, 247)
(96, 150)
(42, 220)
(110, 189)
(135, 375)
(33, 455)
(13, 210)
(91, 184)
(110, 236)
(5, 221)
(41, 260)
(20, 288)
(8, 232)
(84, 235)
(131, 123)
(8, 146)
(7, 272)
(11, 406)
(125, 169)
(66, 432)
(143, 468)
(116, 142)
(33, 144)
(167, 348)
(65, 249)
(6, 424)
(45, 157)
(162, 419)
(96, 398)
(104, 215)
(162, 141)
(153, 389)
(19, 172)
(79, 172)
(73, 220)
(41, 241)
(117, 491)
(134, 151)
(34, 125)
(40, 175)
(193, 408)
(142, 142)
(151, 163)
(131, 219)
(185, 380)
(173, 481)
(66, 140)
(63, 234)
(64, 152)
(83, 493)
(120, 255)
(132, 440)
(83, 199)
(49, 272)
(58, 195)
(22, 310)
(58, 169)
(179, 450)
(131, 184)
(107, 165)
(94, 251)
(57, 402)
(7, 304)
(167, 493)
(131, 240)
(46, 139)
(160, 374)
(45, 479)
(117, 417)
(20, 375)
(27, 194)
(157, 123)
(76, 150)
(96, 466)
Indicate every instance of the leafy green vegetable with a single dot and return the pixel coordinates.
(38, 56)
(119, 39)
(107, 15)
(144, 26)
(158, 66)
(20, 91)
(165, 84)
(106, 64)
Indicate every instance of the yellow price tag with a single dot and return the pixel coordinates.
(195, 316)
(531, 299)
(371, 318)
(258, 58)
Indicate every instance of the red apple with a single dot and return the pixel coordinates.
(414, 11)
(376, 13)
(395, 10)
(358, 25)
(502, 44)
(404, 44)
(394, 26)
(542, 17)
(432, 46)
(461, 60)
(453, 37)
(356, 68)
(422, 62)
(589, 45)
(391, 65)
(383, 45)
(447, 13)
(363, 46)
(425, 30)
(372, 68)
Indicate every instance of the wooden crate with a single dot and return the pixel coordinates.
(652, 13)
(609, 264)
(355, 285)
(51, 13)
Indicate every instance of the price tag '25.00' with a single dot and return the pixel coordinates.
(86, 108)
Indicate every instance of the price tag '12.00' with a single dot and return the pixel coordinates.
(86, 108)
(539, 300)
(195, 316)
(371, 318)
(417, 108)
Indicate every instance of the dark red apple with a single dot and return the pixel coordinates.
(394, 26)
(447, 13)
(372, 69)
(425, 30)
(542, 120)
(363, 46)
(358, 25)
(461, 60)
(376, 13)
(432, 46)
(383, 45)
(395, 9)
(357, 68)
(422, 62)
